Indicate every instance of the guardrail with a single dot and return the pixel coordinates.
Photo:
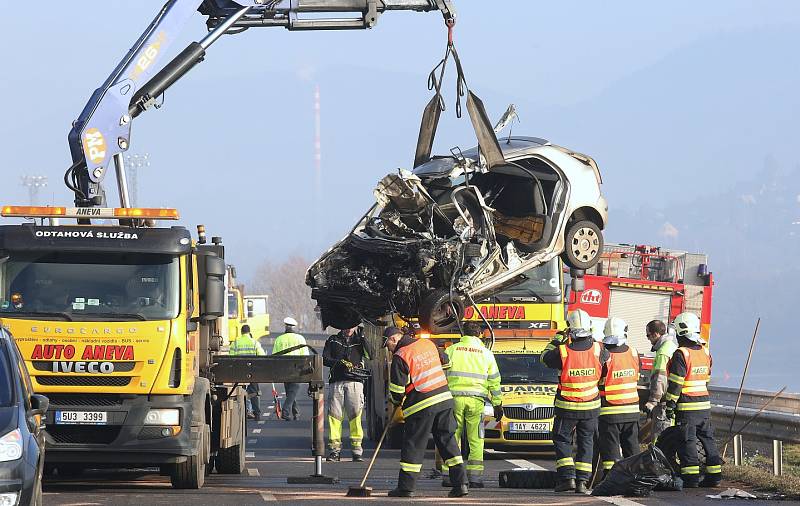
(780, 421)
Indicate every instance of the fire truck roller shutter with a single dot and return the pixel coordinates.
(638, 307)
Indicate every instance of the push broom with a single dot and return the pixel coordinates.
(361, 490)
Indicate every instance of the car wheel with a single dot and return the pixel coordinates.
(339, 316)
(583, 244)
(438, 313)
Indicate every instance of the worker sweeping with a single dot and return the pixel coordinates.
(290, 343)
(246, 344)
(687, 399)
(474, 379)
(619, 397)
(418, 385)
(664, 346)
(577, 402)
(343, 353)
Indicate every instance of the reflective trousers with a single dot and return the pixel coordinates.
(469, 418)
(615, 437)
(581, 466)
(696, 427)
(345, 403)
(437, 420)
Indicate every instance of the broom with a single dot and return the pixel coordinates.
(361, 490)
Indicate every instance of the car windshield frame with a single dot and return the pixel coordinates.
(505, 360)
(543, 282)
(121, 286)
(7, 397)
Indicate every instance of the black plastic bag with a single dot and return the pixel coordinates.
(637, 475)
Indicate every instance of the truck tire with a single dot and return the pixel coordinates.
(583, 245)
(435, 313)
(191, 474)
(232, 460)
(527, 478)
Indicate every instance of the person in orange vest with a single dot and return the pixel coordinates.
(687, 399)
(419, 390)
(577, 405)
(619, 397)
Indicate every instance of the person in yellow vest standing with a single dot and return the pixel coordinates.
(577, 404)
(688, 400)
(474, 380)
(290, 343)
(664, 345)
(246, 344)
(619, 396)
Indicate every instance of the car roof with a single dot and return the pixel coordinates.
(511, 145)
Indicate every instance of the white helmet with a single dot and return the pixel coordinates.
(290, 321)
(687, 325)
(615, 332)
(580, 323)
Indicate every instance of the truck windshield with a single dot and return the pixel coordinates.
(543, 282)
(526, 368)
(233, 306)
(5, 376)
(89, 286)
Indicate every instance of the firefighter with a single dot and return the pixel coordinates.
(418, 388)
(296, 344)
(664, 346)
(343, 353)
(474, 379)
(687, 399)
(577, 403)
(619, 397)
(246, 344)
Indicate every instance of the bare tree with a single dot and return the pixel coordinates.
(288, 294)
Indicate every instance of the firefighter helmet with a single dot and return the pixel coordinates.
(615, 332)
(580, 323)
(687, 325)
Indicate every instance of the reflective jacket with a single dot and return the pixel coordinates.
(246, 344)
(553, 359)
(664, 349)
(689, 374)
(580, 373)
(618, 386)
(289, 340)
(418, 373)
(473, 371)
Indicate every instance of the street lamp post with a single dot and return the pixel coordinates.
(134, 162)
(34, 183)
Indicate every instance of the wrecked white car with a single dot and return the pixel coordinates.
(455, 230)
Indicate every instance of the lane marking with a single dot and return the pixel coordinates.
(249, 455)
(618, 501)
(251, 441)
(267, 497)
(256, 431)
(253, 472)
(261, 422)
(525, 464)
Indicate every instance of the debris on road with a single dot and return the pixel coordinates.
(733, 493)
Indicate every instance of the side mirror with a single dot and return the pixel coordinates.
(250, 309)
(214, 300)
(39, 405)
(192, 325)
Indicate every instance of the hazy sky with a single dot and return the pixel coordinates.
(675, 101)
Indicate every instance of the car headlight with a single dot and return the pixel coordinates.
(163, 417)
(11, 446)
(9, 498)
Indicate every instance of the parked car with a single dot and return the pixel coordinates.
(21, 430)
(454, 230)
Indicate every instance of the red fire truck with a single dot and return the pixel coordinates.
(643, 283)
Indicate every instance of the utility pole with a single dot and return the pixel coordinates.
(317, 192)
(34, 183)
(134, 162)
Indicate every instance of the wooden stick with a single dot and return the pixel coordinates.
(741, 385)
(380, 442)
(765, 406)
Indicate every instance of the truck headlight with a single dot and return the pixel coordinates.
(9, 498)
(162, 417)
(11, 446)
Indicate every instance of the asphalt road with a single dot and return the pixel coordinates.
(278, 450)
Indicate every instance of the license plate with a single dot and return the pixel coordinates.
(529, 427)
(82, 417)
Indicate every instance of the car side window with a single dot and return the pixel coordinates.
(25, 380)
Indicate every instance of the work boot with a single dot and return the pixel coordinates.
(581, 487)
(446, 482)
(565, 485)
(296, 416)
(692, 482)
(476, 484)
(459, 491)
(710, 481)
(398, 492)
(357, 457)
(257, 416)
(334, 456)
(250, 416)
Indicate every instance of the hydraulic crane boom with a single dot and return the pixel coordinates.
(102, 132)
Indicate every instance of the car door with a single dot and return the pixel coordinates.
(35, 424)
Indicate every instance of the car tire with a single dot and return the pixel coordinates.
(434, 315)
(339, 316)
(583, 245)
(527, 478)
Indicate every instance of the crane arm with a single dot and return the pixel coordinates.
(102, 132)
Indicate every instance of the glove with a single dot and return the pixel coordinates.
(347, 364)
(648, 410)
(669, 413)
(561, 337)
(398, 415)
(498, 413)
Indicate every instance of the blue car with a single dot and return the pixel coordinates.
(21, 430)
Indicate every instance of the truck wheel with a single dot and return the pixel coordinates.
(436, 313)
(583, 244)
(207, 458)
(231, 460)
(192, 472)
